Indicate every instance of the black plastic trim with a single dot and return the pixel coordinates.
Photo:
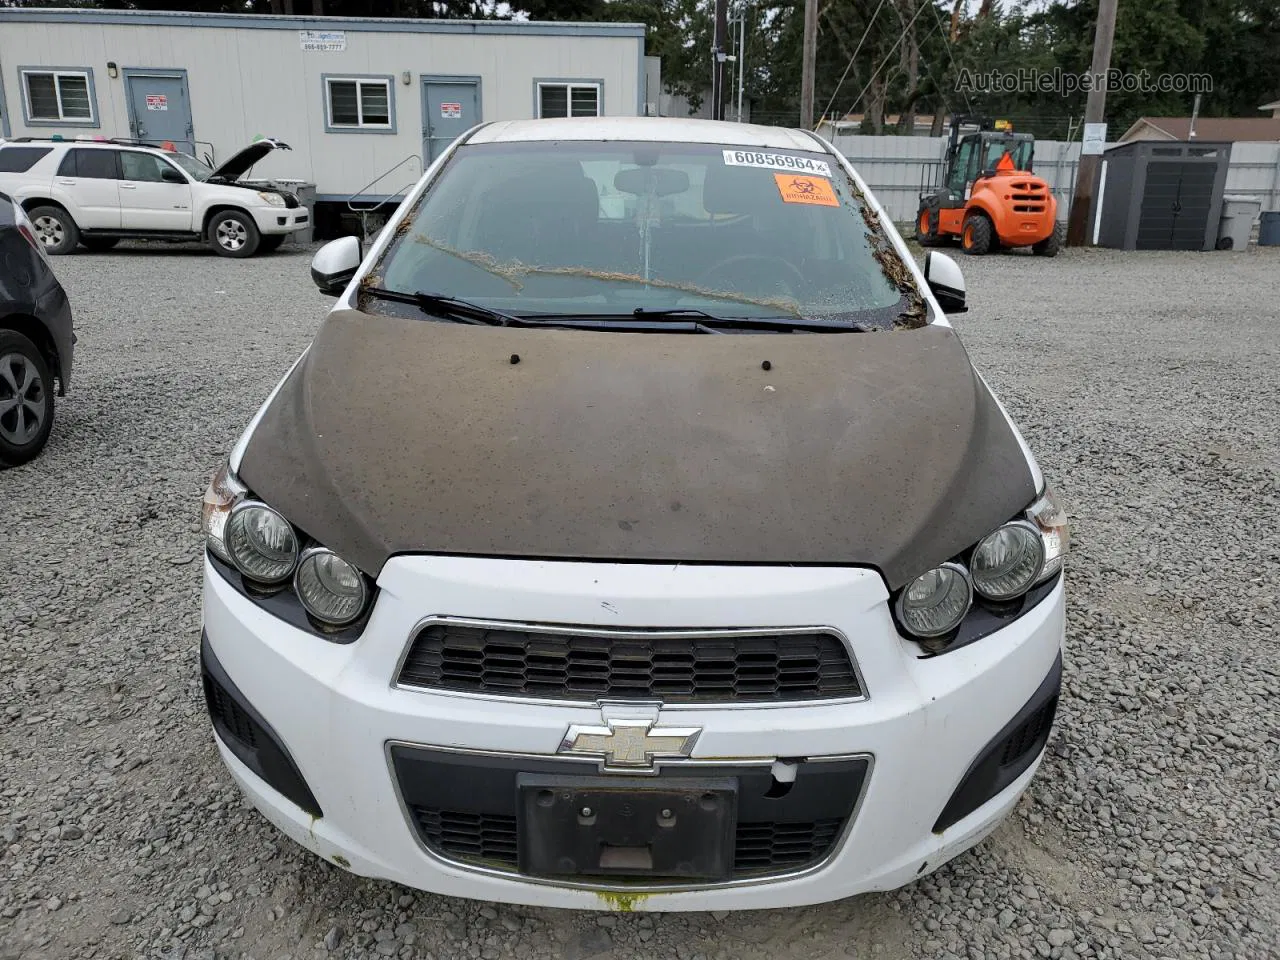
(266, 756)
(281, 602)
(989, 773)
(440, 789)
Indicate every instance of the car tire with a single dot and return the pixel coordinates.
(976, 238)
(1050, 245)
(99, 244)
(26, 399)
(272, 241)
(55, 229)
(233, 234)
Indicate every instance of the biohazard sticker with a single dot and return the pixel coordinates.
(815, 191)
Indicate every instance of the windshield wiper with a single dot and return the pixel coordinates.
(451, 308)
(776, 324)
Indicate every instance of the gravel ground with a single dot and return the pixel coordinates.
(1145, 382)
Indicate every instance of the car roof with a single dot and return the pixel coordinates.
(114, 145)
(657, 129)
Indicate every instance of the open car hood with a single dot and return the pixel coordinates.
(238, 164)
(407, 436)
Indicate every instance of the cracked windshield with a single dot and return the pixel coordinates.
(603, 230)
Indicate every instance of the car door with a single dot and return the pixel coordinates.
(147, 200)
(87, 185)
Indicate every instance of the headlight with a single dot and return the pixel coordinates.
(274, 199)
(1007, 562)
(332, 590)
(224, 492)
(261, 543)
(934, 603)
(1051, 520)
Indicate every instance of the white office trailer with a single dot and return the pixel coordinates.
(364, 103)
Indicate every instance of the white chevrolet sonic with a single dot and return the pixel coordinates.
(635, 534)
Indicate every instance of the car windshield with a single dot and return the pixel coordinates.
(596, 229)
(195, 168)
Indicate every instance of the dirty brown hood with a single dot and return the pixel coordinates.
(407, 436)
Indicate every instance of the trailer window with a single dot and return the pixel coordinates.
(568, 99)
(58, 96)
(359, 103)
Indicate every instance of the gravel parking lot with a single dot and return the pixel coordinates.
(1147, 385)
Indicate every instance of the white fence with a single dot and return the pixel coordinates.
(896, 167)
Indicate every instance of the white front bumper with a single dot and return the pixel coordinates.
(281, 219)
(336, 709)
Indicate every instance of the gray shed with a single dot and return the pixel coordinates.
(1155, 195)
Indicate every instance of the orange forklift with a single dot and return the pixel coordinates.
(988, 197)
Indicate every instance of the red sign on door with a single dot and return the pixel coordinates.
(157, 101)
(451, 111)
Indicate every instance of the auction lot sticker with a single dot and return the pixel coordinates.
(776, 161)
(811, 190)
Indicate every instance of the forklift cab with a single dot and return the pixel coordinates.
(981, 153)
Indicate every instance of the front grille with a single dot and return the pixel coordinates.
(769, 846)
(672, 666)
(475, 837)
(488, 839)
(1029, 734)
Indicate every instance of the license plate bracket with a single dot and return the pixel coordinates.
(610, 827)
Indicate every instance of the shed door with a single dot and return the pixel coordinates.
(1195, 199)
(1175, 205)
(451, 108)
(159, 109)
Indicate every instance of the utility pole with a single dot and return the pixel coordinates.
(1095, 112)
(809, 55)
(742, 56)
(718, 56)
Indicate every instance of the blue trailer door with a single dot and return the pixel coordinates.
(450, 106)
(159, 107)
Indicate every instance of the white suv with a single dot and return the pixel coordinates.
(98, 192)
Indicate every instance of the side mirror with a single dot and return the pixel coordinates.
(335, 264)
(945, 281)
(170, 175)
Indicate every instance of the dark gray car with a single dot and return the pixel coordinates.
(36, 339)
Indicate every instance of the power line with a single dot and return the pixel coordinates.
(857, 49)
(901, 37)
(946, 43)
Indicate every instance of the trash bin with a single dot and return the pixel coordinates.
(1269, 232)
(306, 194)
(1236, 225)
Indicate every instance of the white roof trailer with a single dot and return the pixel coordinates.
(355, 98)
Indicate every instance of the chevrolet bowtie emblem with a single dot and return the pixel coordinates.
(630, 744)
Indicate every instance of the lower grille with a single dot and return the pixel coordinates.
(490, 840)
(1008, 754)
(1030, 734)
(223, 708)
(476, 837)
(768, 846)
(585, 663)
(466, 808)
(248, 735)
